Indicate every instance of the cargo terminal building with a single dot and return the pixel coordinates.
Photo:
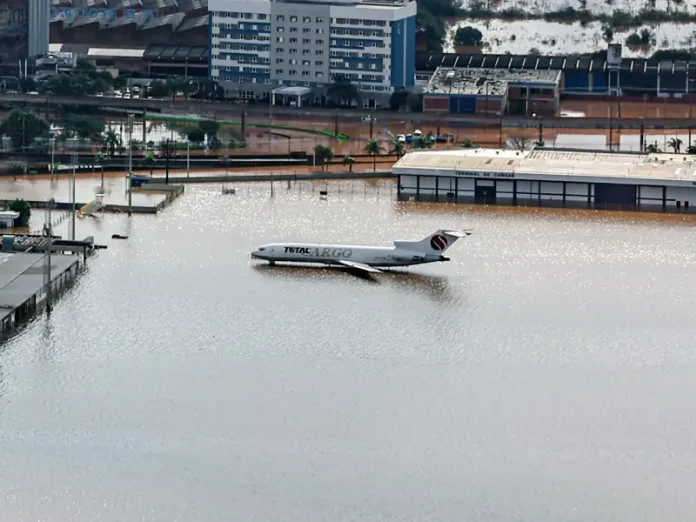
(550, 178)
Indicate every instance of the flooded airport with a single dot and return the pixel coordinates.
(545, 373)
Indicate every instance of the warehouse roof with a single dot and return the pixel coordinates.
(430, 62)
(673, 169)
(494, 82)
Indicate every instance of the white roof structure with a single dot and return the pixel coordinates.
(554, 165)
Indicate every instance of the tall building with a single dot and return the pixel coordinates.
(38, 27)
(296, 49)
(13, 31)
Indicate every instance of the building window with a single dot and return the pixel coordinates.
(279, 71)
(307, 19)
(280, 18)
(306, 41)
(320, 20)
(280, 29)
(306, 30)
(293, 19)
(292, 72)
(320, 42)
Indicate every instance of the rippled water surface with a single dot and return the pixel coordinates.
(545, 374)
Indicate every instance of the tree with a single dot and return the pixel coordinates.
(149, 160)
(322, 155)
(86, 127)
(112, 142)
(397, 148)
(675, 144)
(422, 142)
(342, 91)
(469, 36)
(21, 206)
(23, 127)
(373, 148)
(349, 161)
(195, 135)
(158, 89)
(209, 127)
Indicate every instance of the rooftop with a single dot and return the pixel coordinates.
(22, 276)
(676, 169)
(585, 63)
(493, 82)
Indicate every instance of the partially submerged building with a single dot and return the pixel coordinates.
(457, 90)
(550, 177)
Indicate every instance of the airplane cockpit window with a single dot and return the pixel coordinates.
(261, 249)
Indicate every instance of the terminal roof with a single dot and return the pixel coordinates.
(555, 162)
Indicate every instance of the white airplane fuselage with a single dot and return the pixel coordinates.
(338, 254)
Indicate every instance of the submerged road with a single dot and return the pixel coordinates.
(234, 111)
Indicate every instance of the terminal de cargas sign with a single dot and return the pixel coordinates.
(474, 174)
(93, 12)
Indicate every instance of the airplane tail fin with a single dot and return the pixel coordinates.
(441, 240)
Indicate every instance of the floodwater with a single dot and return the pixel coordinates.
(545, 374)
(556, 38)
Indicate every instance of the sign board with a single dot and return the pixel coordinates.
(93, 12)
(478, 174)
(614, 54)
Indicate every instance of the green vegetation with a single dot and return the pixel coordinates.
(349, 161)
(430, 20)
(21, 206)
(322, 155)
(617, 19)
(644, 38)
(374, 149)
(468, 36)
(342, 92)
(23, 127)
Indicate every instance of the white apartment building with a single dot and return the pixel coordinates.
(298, 48)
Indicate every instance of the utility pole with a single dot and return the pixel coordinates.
(371, 125)
(166, 179)
(48, 230)
(130, 164)
(188, 159)
(72, 197)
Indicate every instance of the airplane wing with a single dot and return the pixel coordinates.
(359, 266)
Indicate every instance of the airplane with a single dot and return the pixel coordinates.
(367, 259)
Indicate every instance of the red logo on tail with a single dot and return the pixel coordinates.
(438, 243)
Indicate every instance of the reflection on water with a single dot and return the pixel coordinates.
(437, 288)
(549, 364)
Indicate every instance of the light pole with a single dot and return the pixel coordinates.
(74, 203)
(130, 163)
(188, 159)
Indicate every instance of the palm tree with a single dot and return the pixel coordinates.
(349, 160)
(675, 143)
(652, 148)
(373, 148)
(150, 160)
(422, 142)
(99, 160)
(397, 148)
(112, 141)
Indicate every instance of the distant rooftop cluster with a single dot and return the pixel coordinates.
(180, 15)
(491, 82)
